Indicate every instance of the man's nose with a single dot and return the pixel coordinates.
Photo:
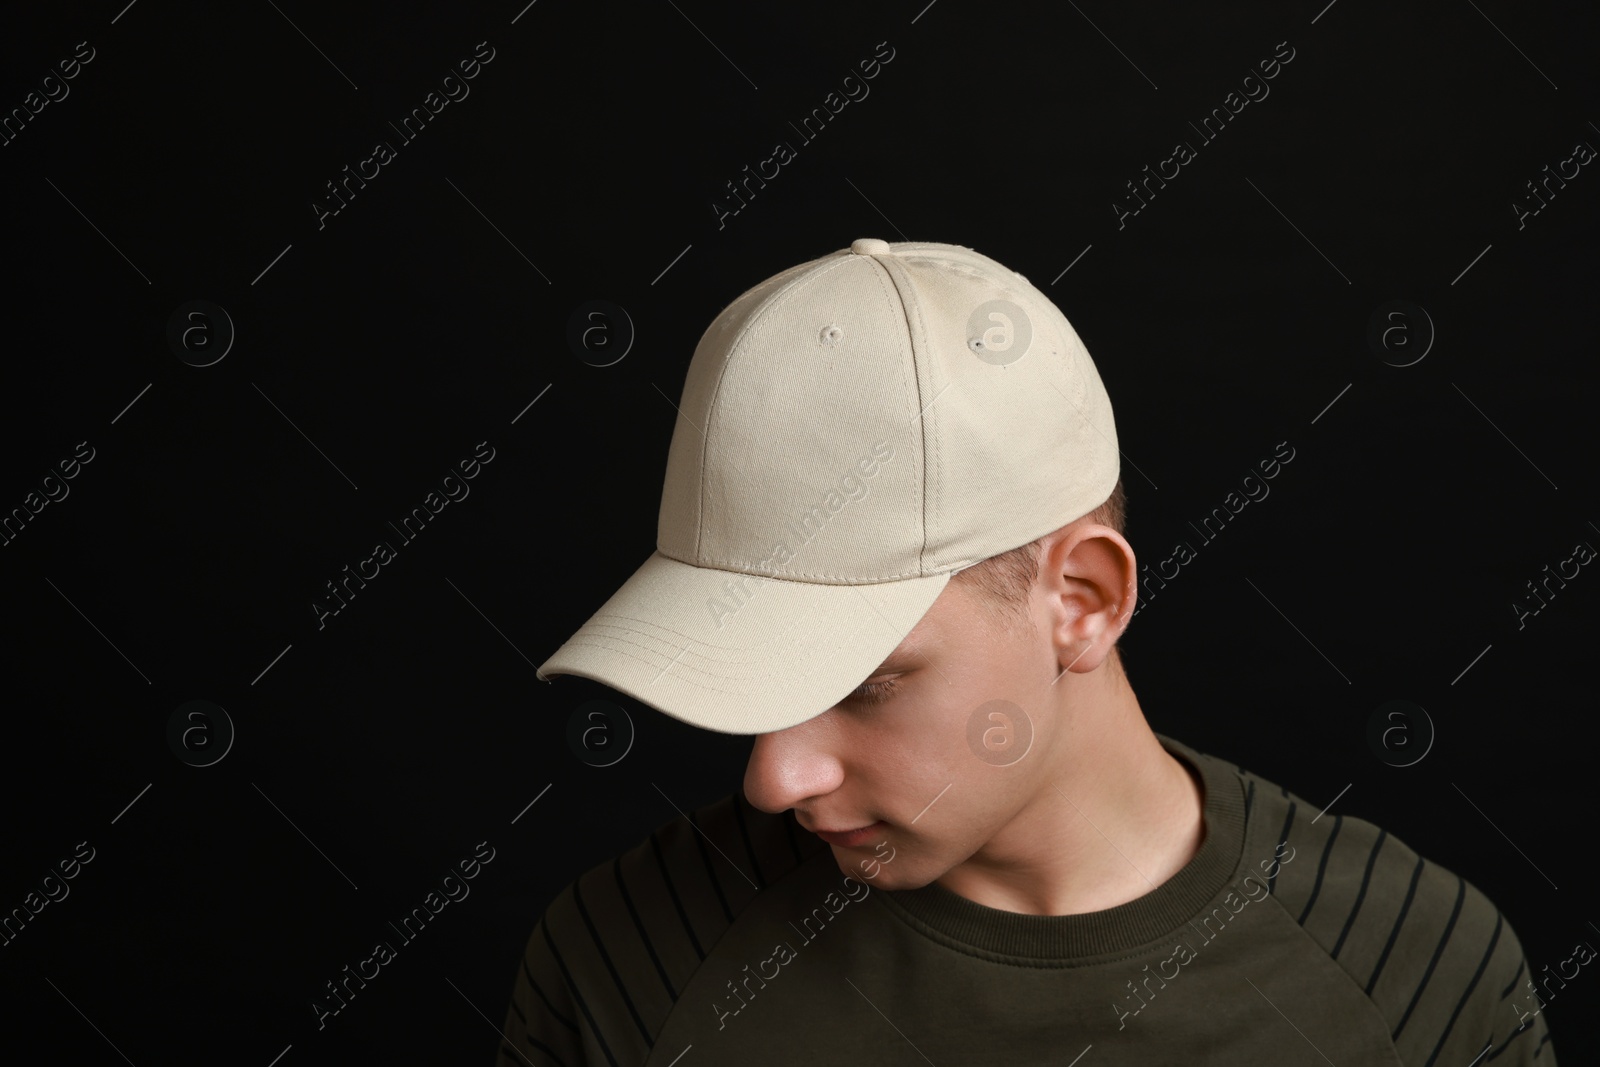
(788, 767)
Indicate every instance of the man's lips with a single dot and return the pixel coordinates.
(851, 838)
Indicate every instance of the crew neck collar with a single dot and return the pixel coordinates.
(977, 929)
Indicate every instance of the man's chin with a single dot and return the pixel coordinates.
(877, 875)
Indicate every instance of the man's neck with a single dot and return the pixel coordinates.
(1116, 815)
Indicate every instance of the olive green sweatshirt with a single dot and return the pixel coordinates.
(730, 936)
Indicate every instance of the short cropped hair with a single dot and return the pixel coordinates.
(1003, 581)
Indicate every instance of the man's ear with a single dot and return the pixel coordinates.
(1090, 579)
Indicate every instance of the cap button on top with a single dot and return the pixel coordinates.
(869, 246)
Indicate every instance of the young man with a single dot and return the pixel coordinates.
(891, 545)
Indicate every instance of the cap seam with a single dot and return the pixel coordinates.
(907, 309)
(731, 566)
(757, 322)
(840, 579)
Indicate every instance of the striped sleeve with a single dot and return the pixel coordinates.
(609, 957)
(1432, 952)
(541, 1027)
(1520, 1035)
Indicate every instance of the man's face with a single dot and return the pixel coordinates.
(910, 760)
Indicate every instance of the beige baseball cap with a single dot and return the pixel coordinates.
(852, 431)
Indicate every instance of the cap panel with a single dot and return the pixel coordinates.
(1021, 434)
(811, 459)
(681, 514)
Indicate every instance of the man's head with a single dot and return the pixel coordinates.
(970, 721)
(852, 431)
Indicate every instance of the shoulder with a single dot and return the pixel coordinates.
(680, 888)
(1436, 957)
(611, 953)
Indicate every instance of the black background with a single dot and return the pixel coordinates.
(1231, 314)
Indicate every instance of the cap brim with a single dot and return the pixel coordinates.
(749, 657)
